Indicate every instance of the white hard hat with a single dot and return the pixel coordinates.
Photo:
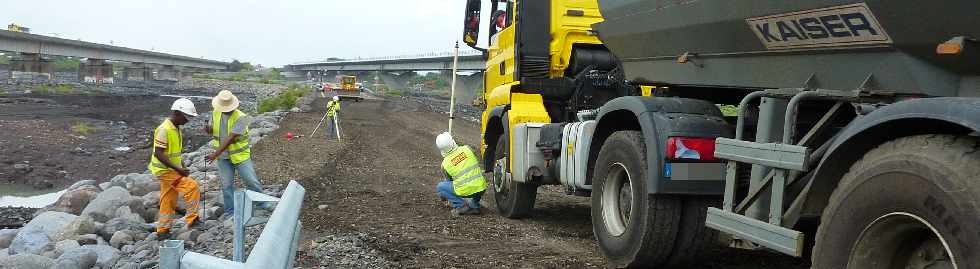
(445, 143)
(185, 106)
(336, 98)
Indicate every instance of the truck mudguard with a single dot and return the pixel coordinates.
(659, 118)
(945, 115)
(495, 126)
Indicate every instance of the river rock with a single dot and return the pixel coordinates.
(23, 168)
(139, 229)
(151, 200)
(75, 199)
(137, 184)
(78, 226)
(7, 235)
(76, 258)
(103, 208)
(105, 185)
(38, 233)
(125, 213)
(120, 239)
(65, 245)
(80, 183)
(89, 239)
(107, 255)
(26, 261)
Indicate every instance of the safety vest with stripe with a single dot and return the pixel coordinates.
(174, 147)
(332, 108)
(238, 150)
(464, 170)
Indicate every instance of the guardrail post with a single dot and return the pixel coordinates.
(170, 254)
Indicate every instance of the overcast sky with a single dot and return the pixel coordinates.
(271, 33)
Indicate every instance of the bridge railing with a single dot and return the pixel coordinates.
(396, 57)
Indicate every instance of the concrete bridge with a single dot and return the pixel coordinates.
(142, 65)
(469, 60)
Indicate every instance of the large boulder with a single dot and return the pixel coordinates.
(79, 226)
(74, 200)
(103, 208)
(26, 261)
(121, 238)
(38, 233)
(126, 213)
(137, 184)
(107, 255)
(77, 258)
(7, 235)
(139, 229)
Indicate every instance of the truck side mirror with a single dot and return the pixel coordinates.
(471, 23)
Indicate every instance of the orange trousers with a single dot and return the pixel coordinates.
(172, 183)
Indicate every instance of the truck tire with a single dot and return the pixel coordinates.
(632, 230)
(692, 235)
(514, 199)
(913, 202)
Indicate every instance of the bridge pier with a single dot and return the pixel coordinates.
(168, 73)
(95, 71)
(137, 72)
(30, 67)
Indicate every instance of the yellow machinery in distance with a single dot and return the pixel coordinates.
(13, 27)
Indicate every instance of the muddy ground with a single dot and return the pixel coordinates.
(65, 138)
(380, 181)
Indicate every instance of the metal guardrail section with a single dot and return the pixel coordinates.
(275, 248)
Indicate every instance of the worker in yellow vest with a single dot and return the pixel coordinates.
(232, 153)
(166, 164)
(464, 178)
(333, 110)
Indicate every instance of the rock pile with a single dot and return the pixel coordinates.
(111, 225)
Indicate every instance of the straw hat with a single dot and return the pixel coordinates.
(225, 101)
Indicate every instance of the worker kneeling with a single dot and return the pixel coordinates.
(464, 178)
(167, 165)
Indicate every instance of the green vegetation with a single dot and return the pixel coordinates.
(285, 100)
(64, 89)
(66, 64)
(238, 66)
(394, 92)
(83, 128)
(4, 59)
(728, 110)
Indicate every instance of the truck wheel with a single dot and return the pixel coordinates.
(633, 229)
(514, 199)
(913, 202)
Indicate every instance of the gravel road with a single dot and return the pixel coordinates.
(374, 192)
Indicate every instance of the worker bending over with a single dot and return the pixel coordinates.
(464, 179)
(333, 110)
(166, 164)
(229, 128)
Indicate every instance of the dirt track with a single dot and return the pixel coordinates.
(380, 181)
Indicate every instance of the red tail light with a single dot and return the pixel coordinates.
(691, 148)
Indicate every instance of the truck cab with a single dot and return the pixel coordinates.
(558, 112)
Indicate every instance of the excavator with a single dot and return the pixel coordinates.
(853, 143)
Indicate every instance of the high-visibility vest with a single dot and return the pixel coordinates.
(239, 150)
(464, 170)
(174, 146)
(332, 108)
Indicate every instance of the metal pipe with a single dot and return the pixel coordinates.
(274, 244)
(740, 124)
(789, 119)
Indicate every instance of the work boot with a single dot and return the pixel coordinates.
(163, 236)
(472, 211)
(459, 211)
